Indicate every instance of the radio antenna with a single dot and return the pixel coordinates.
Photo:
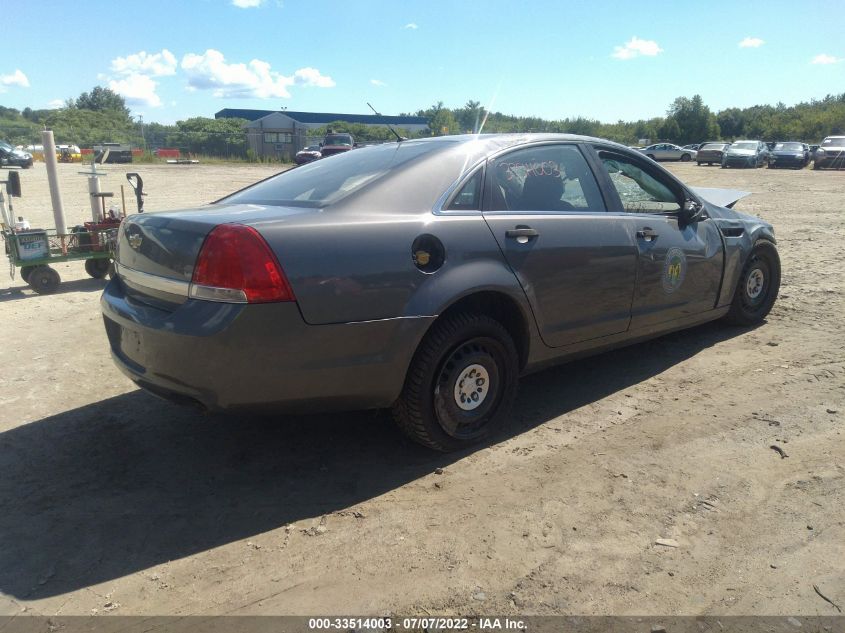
(399, 139)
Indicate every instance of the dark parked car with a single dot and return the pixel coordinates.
(312, 152)
(711, 153)
(789, 154)
(336, 143)
(831, 153)
(12, 157)
(746, 154)
(427, 275)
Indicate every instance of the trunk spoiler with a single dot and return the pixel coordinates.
(721, 197)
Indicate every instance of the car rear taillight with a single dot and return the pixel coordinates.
(235, 265)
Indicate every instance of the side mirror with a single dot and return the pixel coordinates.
(692, 211)
(13, 185)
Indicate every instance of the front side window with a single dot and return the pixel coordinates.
(544, 178)
(639, 190)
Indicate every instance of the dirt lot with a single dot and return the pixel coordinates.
(112, 501)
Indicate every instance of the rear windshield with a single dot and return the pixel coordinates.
(836, 141)
(744, 146)
(714, 146)
(789, 147)
(325, 182)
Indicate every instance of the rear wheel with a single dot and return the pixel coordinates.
(461, 383)
(44, 280)
(97, 268)
(757, 287)
(26, 271)
(685, 158)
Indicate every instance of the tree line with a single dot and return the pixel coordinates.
(101, 115)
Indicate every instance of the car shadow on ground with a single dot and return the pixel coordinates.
(121, 485)
(77, 285)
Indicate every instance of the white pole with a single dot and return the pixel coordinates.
(94, 187)
(53, 178)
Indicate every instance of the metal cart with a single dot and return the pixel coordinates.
(34, 250)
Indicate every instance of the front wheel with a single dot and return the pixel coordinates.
(757, 287)
(461, 383)
(44, 280)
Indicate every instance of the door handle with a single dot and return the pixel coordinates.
(647, 234)
(522, 232)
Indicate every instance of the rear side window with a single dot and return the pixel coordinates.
(325, 182)
(543, 178)
(639, 189)
(468, 197)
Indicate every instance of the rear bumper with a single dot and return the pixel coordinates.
(258, 357)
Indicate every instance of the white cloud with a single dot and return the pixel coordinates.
(411, 25)
(751, 42)
(636, 47)
(377, 82)
(247, 4)
(312, 77)
(17, 78)
(143, 63)
(256, 79)
(825, 59)
(138, 90)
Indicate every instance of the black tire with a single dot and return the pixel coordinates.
(685, 158)
(815, 166)
(26, 271)
(44, 280)
(428, 409)
(757, 287)
(724, 166)
(698, 162)
(97, 268)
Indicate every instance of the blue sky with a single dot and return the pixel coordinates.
(600, 59)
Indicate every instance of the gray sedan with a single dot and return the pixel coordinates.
(427, 276)
(667, 151)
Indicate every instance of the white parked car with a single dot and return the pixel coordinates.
(668, 151)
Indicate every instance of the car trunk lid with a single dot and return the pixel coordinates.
(157, 252)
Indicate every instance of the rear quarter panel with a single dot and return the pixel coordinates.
(360, 266)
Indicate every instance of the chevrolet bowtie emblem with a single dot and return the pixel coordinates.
(135, 240)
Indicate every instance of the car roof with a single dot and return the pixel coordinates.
(489, 143)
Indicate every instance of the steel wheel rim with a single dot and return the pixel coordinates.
(755, 284)
(471, 387)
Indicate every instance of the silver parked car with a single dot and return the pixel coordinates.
(831, 153)
(427, 276)
(668, 151)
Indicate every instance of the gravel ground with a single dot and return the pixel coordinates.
(116, 502)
